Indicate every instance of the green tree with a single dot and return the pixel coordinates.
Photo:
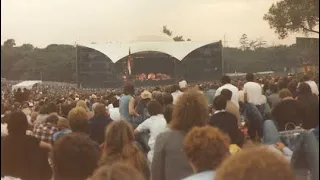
(9, 43)
(166, 31)
(169, 33)
(291, 16)
(244, 42)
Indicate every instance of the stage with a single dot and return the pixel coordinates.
(105, 66)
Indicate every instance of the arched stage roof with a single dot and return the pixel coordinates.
(117, 51)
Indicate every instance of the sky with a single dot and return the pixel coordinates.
(44, 22)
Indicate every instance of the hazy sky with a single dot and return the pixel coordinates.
(43, 22)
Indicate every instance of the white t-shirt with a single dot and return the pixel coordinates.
(156, 125)
(114, 114)
(176, 95)
(233, 89)
(314, 87)
(241, 96)
(254, 92)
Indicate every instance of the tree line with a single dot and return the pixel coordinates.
(58, 62)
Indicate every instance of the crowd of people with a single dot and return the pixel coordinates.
(152, 76)
(257, 128)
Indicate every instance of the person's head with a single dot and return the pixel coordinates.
(250, 77)
(190, 110)
(167, 99)
(117, 171)
(120, 146)
(225, 79)
(227, 94)
(52, 119)
(65, 109)
(167, 113)
(74, 156)
(52, 108)
(118, 135)
(16, 106)
(116, 103)
(285, 93)
(17, 123)
(206, 148)
(282, 84)
(154, 108)
(146, 96)
(156, 95)
(175, 88)
(220, 103)
(78, 119)
(257, 163)
(128, 89)
(273, 88)
(63, 123)
(305, 78)
(99, 110)
(304, 89)
(83, 104)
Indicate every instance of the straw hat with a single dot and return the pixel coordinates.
(146, 95)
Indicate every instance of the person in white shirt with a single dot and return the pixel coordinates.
(226, 81)
(113, 110)
(176, 93)
(155, 124)
(252, 90)
(313, 85)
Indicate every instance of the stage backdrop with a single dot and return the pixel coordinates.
(193, 61)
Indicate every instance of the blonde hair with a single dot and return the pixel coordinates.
(78, 119)
(83, 104)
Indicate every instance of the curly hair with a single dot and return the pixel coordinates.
(190, 110)
(257, 163)
(120, 146)
(78, 119)
(206, 147)
(74, 156)
(117, 171)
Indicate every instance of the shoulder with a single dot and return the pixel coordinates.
(168, 134)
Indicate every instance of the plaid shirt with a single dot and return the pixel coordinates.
(44, 132)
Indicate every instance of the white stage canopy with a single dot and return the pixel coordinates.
(25, 84)
(117, 51)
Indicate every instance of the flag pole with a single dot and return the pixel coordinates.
(77, 66)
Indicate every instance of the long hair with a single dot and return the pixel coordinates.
(120, 146)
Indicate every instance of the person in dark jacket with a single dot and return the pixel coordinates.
(225, 121)
(23, 156)
(310, 104)
(288, 111)
(98, 123)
